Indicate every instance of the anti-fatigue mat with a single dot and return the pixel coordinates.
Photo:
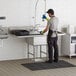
(43, 65)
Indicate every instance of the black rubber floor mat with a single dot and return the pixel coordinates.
(43, 65)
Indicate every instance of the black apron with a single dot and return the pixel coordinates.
(50, 32)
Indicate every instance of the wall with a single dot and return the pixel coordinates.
(13, 48)
(15, 11)
(22, 13)
(64, 10)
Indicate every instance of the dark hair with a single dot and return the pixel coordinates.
(51, 11)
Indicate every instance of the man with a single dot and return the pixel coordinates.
(52, 38)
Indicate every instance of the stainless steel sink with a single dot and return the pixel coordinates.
(34, 32)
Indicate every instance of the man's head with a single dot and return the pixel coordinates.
(50, 12)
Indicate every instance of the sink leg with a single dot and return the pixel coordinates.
(40, 51)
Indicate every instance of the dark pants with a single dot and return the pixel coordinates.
(52, 44)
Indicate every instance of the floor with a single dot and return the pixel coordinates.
(14, 68)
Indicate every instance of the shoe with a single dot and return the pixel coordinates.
(48, 61)
(56, 61)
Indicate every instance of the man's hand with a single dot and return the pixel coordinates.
(41, 32)
(44, 16)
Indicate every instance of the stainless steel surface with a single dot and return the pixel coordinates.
(34, 32)
(3, 36)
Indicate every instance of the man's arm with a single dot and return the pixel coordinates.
(45, 30)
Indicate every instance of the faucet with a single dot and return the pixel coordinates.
(35, 27)
(36, 10)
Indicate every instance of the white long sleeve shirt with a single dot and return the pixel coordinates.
(53, 25)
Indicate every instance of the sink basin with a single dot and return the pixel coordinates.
(34, 32)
